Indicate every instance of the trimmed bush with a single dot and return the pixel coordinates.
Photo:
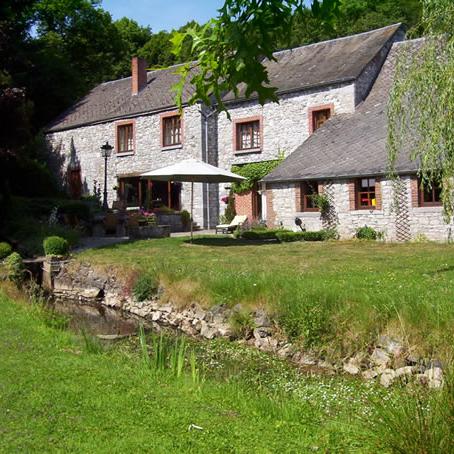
(15, 268)
(55, 245)
(5, 250)
(261, 234)
(287, 237)
(145, 287)
(366, 233)
(318, 235)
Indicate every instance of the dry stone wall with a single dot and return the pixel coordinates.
(389, 361)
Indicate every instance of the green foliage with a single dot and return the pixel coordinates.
(5, 250)
(233, 44)
(55, 245)
(422, 94)
(185, 218)
(167, 355)
(253, 172)
(420, 422)
(307, 318)
(242, 323)
(231, 48)
(15, 268)
(321, 201)
(91, 343)
(230, 211)
(261, 234)
(366, 233)
(145, 287)
(288, 237)
(320, 235)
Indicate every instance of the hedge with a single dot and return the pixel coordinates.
(286, 237)
(261, 234)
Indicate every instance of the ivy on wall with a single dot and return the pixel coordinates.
(253, 172)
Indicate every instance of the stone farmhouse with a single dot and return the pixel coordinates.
(329, 125)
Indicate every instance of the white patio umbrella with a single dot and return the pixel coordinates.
(193, 171)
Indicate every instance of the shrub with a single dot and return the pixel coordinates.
(261, 234)
(15, 268)
(318, 235)
(366, 233)
(242, 323)
(186, 219)
(286, 237)
(145, 287)
(55, 245)
(5, 250)
(330, 234)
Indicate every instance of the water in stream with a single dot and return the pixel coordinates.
(96, 320)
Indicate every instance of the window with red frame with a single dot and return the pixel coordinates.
(319, 117)
(171, 133)
(248, 135)
(308, 190)
(365, 193)
(429, 194)
(125, 138)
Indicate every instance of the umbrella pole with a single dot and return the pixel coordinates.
(192, 207)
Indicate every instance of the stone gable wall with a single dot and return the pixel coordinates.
(149, 155)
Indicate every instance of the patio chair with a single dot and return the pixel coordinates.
(237, 221)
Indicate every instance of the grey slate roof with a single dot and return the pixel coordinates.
(335, 61)
(353, 144)
(113, 100)
(338, 60)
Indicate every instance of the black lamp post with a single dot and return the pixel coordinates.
(106, 151)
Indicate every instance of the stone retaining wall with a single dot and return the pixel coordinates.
(387, 363)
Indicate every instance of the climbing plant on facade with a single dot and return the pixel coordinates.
(421, 108)
(253, 172)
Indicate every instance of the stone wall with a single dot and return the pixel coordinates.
(422, 220)
(387, 362)
(285, 124)
(85, 142)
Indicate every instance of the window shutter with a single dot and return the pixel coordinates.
(414, 189)
(378, 197)
(352, 194)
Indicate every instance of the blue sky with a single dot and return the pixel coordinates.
(163, 14)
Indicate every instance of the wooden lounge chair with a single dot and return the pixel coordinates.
(237, 221)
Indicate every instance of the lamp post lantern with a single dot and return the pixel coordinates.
(106, 151)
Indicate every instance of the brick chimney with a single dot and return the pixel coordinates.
(139, 74)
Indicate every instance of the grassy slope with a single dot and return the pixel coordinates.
(340, 295)
(54, 396)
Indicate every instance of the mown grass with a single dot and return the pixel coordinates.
(59, 395)
(334, 296)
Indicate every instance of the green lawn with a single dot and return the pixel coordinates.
(334, 296)
(56, 396)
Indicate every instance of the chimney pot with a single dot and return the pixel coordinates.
(139, 74)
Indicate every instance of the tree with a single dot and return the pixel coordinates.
(133, 38)
(421, 110)
(231, 48)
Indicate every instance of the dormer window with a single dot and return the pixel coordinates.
(125, 137)
(171, 130)
(319, 115)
